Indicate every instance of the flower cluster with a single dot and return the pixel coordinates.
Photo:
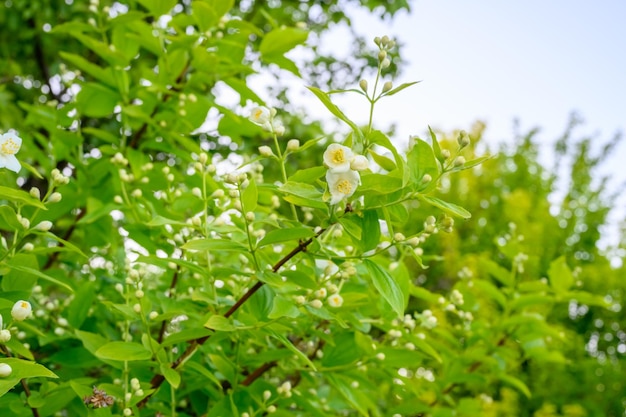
(10, 144)
(264, 117)
(343, 166)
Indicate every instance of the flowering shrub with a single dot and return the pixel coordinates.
(153, 266)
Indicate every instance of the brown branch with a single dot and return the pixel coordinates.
(134, 141)
(258, 372)
(158, 379)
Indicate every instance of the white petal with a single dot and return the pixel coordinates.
(10, 162)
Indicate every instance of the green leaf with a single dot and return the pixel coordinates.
(208, 13)
(20, 196)
(214, 244)
(96, 100)
(354, 396)
(400, 88)
(421, 161)
(158, 7)
(386, 286)
(104, 75)
(220, 323)
(40, 274)
(16, 279)
(435, 145)
(285, 235)
(517, 384)
(283, 307)
(371, 230)
(384, 162)
(501, 274)
(250, 196)
(325, 99)
(561, 278)
(379, 183)
(308, 175)
(8, 219)
(292, 348)
(302, 194)
(123, 351)
(172, 376)
(449, 208)
(282, 40)
(22, 369)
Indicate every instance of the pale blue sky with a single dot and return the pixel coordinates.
(499, 60)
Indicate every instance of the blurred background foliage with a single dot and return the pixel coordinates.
(525, 215)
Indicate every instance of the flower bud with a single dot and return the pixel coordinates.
(196, 192)
(463, 139)
(377, 41)
(459, 161)
(28, 247)
(363, 85)
(385, 63)
(382, 55)
(250, 216)
(445, 153)
(25, 222)
(426, 179)
(387, 86)
(44, 226)
(5, 336)
(316, 303)
(35, 193)
(136, 193)
(5, 370)
(385, 40)
(55, 197)
(293, 145)
(266, 151)
(359, 163)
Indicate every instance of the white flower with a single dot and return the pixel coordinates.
(5, 370)
(359, 163)
(335, 300)
(21, 310)
(341, 184)
(260, 115)
(9, 145)
(338, 157)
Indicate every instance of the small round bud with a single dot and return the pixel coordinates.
(196, 192)
(137, 308)
(55, 197)
(267, 394)
(385, 40)
(25, 222)
(44, 226)
(293, 145)
(316, 303)
(118, 200)
(363, 85)
(377, 41)
(382, 55)
(153, 315)
(463, 139)
(139, 294)
(387, 86)
(426, 179)
(250, 216)
(219, 193)
(399, 237)
(445, 153)
(385, 63)
(136, 193)
(35, 193)
(28, 247)
(266, 151)
(5, 370)
(459, 161)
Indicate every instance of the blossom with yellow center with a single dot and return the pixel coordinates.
(341, 185)
(21, 310)
(10, 144)
(335, 300)
(338, 157)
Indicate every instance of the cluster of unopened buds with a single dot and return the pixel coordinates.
(342, 175)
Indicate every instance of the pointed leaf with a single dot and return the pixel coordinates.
(449, 208)
(386, 286)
